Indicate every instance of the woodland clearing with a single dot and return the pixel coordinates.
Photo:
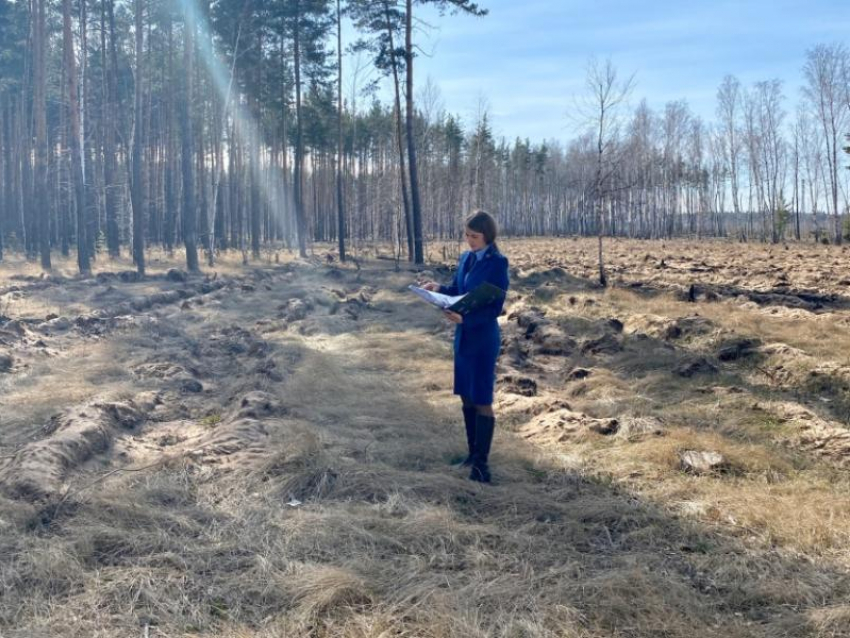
(266, 450)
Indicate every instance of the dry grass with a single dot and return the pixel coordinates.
(332, 510)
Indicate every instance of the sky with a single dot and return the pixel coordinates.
(527, 59)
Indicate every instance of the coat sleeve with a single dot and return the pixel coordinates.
(453, 289)
(498, 276)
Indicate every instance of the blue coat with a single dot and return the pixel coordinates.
(477, 339)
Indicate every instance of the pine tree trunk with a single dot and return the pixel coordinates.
(418, 256)
(340, 190)
(402, 169)
(299, 143)
(24, 176)
(110, 90)
(287, 190)
(189, 227)
(8, 172)
(255, 173)
(171, 185)
(75, 142)
(40, 107)
(112, 223)
(88, 218)
(137, 186)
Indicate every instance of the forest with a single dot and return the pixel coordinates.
(238, 125)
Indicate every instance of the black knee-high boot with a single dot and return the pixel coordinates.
(484, 427)
(469, 422)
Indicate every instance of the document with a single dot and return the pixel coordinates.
(483, 295)
(438, 299)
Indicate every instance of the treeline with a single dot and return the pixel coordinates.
(217, 125)
(204, 124)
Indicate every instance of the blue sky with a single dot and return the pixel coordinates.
(528, 58)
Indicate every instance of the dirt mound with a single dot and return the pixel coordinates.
(737, 348)
(516, 384)
(172, 375)
(257, 404)
(233, 341)
(784, 364)
(545, 336)
(604, 344)
(667, 328)
(36, 472)
(354, 304)
(6, 362)
(520, 408)
(551, 340)
(538, 278)
(812, 433)
(295, 310)
(245, 429)
(530, 318)
(176, 274)
(516, 350)
(695, 365)
(55, 325)
(810, 300)
(793, 369)
(118, 303)
(782, 349)
(14, 331)
(164, 370)
(233, 436)
(564, 425)
(327, 309)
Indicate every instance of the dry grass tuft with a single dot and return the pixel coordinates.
(323, 590)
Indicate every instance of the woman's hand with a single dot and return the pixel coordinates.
(431, 285)
(453, 316)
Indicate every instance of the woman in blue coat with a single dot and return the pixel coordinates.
(477, 338)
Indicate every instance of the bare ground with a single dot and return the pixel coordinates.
(267, 451)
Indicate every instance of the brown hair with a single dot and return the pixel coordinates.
(481, 222)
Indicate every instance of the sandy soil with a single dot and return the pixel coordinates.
(267, 451)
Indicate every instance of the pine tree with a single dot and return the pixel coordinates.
(416, 208)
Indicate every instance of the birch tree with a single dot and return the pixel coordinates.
(728, 112)
(825, 72)
(602, 111)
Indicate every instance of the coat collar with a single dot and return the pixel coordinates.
(480, 253)
(471, 265)
(470, 260)
(488, 252)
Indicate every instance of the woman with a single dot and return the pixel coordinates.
(477, 338)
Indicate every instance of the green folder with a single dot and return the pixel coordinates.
(483, 295)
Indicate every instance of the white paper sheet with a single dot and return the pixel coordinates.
(438, 299)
